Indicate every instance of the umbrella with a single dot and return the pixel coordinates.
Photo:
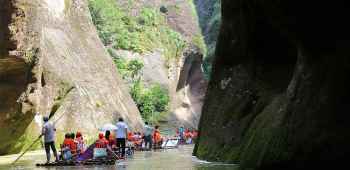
(109, 127)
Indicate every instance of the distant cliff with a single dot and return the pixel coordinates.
(165, 37)
(53, 63)
(277, 98)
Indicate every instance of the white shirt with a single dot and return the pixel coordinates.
(49, 132)
(121, 126)
(148, 130)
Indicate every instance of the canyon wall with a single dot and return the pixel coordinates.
(52, 63)
(277, 98)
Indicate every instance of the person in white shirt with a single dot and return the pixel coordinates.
(148, 131)
(121, 132)
(48, 131)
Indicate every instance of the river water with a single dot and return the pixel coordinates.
(170, 159)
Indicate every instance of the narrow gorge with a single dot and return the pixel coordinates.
(54, 62)
(264, 82)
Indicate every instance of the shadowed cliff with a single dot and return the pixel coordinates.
(277, 98)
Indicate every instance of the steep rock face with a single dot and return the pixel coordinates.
(17, 81)
(75, 80)
(209, 16)
(190, 90)
(277, 97)
(183, 76)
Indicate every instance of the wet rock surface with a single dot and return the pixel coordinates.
(277, 95)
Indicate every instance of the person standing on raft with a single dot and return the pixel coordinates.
(148, 130)
(48, 131)
(122, 131)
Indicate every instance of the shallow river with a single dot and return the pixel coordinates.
(171, 159)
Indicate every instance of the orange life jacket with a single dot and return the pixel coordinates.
(157, 137)
(101, 143)
(70, 144)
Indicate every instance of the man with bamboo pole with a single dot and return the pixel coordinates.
(48, 131)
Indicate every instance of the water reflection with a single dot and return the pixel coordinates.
(172, 159)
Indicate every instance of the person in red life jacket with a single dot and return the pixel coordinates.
(66, 147)
(137, 139)
(101, 146)
(194, 134)
(101, 142)
(80, 143)
(111, 139)
(74, 144)
(157, 137)
(130, 137)
(188, 136)
(69, 142)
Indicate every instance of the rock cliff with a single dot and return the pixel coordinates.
(53, 63)
(277, 98)
(182, 76)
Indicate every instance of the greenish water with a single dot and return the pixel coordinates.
(171, 159)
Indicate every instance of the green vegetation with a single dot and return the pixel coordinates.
(198, 40)
(152, 102)
(211, 19)
(129, 70)
(141, 33)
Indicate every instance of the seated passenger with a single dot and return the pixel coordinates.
(74, 144)
(66, 152)
(111, 139)
(100, 149)
(130, 137)
(137, 139)
(80, 143)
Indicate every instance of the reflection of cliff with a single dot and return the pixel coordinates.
(55, 64)
(277, 98)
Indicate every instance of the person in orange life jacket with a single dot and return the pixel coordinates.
(137, 139)
(80, 143)
(130, 137)
(101, 142)
(74, 144)
(194, 134)
(187, 134)
(67, 147)
(157, 137)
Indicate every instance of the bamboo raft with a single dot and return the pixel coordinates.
(106, 161)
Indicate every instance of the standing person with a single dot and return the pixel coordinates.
(122, 131)
(148, 131)
(157, 138)
(181, 133)
(48, 131)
